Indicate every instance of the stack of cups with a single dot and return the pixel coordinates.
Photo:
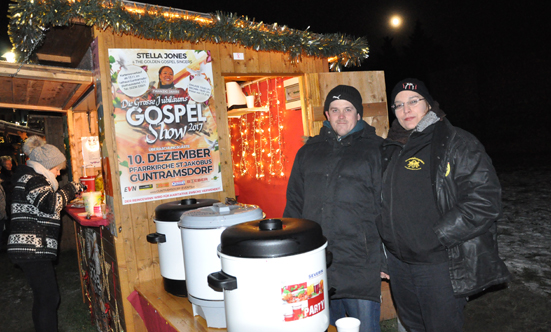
(92, 203)
(348, 324)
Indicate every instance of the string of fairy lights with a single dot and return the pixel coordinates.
(257, 137)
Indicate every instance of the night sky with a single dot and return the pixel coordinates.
(461, 26)
(485, 61)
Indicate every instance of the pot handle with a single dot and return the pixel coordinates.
(156, 238)
(328, 258)
(220, 281)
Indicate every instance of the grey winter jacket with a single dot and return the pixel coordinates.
(338, 185)
(468, 196)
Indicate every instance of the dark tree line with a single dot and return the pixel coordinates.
(497, 89)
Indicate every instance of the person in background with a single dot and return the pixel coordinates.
(3, 215)
(441, 200)
(7, 187)
(7, 163)
(6, 173)
(35, 225)
(336, 182)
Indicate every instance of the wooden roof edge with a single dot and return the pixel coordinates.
(17, 70)
(79, 93)
(37, 108)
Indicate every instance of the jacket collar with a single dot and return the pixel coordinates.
(397, 133)
(360, 125)
(362, 129)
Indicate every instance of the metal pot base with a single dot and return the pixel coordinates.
(212, 311)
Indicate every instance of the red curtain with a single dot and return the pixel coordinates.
(264, 145)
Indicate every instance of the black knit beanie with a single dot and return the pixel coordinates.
(411, 84)
(345, 92)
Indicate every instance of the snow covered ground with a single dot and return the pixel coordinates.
(524, 235)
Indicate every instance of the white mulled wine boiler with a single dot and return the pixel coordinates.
(274, 276)
(200, 230)
(169, 241)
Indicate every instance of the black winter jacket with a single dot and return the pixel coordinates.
(468, 196)
(35, 219)
(338, 185)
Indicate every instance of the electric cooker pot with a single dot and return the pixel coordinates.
(171, 256)
(201, 229)
(273, 276)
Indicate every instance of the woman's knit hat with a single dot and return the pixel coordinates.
(345, 92)
(47, 155)
(411, 84)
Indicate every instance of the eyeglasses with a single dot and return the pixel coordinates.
(411, 103)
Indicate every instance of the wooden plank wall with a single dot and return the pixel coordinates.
(82, 122)
(138, 261)
(371, 85)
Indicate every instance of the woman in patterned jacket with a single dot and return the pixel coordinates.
(35, 225)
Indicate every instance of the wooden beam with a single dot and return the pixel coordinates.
(375, 109)
(53, 58)
(76, 95)
(46, 73)
(31, 107)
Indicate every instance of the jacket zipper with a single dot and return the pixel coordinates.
(391, 203)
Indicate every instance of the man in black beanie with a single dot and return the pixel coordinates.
(336, 181)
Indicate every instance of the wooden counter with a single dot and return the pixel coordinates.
(78, 215)
(176, 311)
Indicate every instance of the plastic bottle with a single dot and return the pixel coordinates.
(99, 182)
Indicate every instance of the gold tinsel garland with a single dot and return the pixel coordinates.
(30, 19)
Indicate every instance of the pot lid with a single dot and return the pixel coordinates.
(172, 211)
(270, 238)
(219, 215)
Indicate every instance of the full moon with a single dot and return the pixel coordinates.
(395, 21)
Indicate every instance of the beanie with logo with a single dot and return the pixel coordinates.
(411, 84)
(345, 92)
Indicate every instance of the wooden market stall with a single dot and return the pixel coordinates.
(116, 261)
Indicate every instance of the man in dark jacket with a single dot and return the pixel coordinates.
(336, 181)
(441, 200)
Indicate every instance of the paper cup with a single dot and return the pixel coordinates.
(92, 202)
(348, 324)
(250, 101)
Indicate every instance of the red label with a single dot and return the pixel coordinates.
(302, 300)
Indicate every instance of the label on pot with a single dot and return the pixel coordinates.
(304, 299)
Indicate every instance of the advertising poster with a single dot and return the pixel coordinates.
(91, 151)
(167, 141)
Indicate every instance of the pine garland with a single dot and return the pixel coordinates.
(30, 19)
